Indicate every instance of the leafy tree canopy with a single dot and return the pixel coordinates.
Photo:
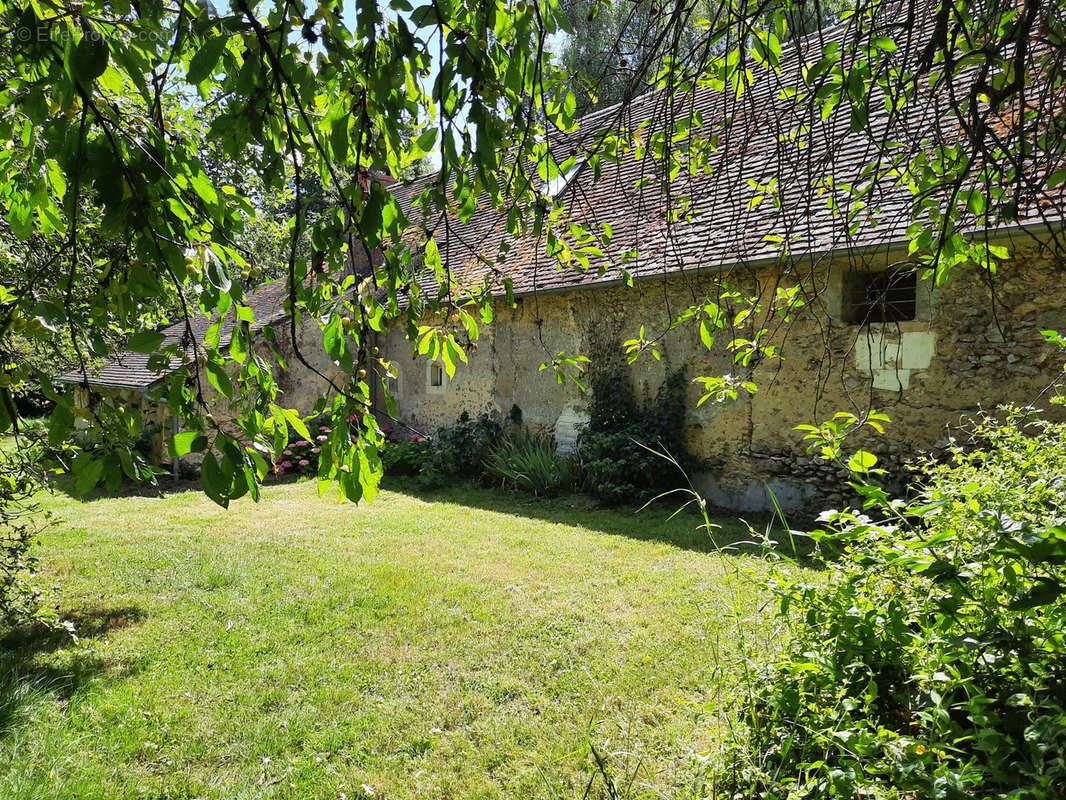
(141, 144)
(619, 47)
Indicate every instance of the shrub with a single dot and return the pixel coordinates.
(618, 468)
(460, 450)
(617, 464)
(22, 600)
(404, 454)
(528, 461)
(931, 661)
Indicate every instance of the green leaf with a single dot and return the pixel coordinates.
(1045, 592)
(432, 256)
(217, 377)
(390, 403)
(28, 29)
(862, 461)
(60, 424)
(88, 471)
(202, 65)
(424, 143)
(292, 416)
(425, 15)
(50, 315)
(216, 274)
(90, 57)
(206, 192)
(238, 347)
(260, 464)
(215, 484)
(569, 104)
(20, 217)
(145, 342)
(183, 443)
(706, 334)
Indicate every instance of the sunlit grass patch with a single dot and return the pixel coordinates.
(464, 644)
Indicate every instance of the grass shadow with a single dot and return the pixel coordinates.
(659, 522)
(165, 487)
(28, 674)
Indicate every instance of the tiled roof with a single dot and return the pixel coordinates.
(129, 370)
(726, 226)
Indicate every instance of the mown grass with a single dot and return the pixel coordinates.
(467, 645)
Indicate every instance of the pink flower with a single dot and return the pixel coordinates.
(302, 443)
(286, 464)
(316, 449)
(393, 437)
(288, 452)
(322, 438)
(386, 427)
(324, 429)
(303, 462)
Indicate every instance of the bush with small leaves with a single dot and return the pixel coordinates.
(404, 454)
(930, 659)
(616, 451)
(22, 520)
(459, 450)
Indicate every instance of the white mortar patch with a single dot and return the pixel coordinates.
(890, 357)
(567, 428)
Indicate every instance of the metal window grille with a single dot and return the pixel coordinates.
(878, 297)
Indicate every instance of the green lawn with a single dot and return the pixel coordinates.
(464, 645)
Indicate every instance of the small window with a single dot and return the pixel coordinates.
(557, 185)
(394, 383)
(886, 296)
(436, 375)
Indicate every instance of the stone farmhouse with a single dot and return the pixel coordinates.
(131, 378)
(758, 218)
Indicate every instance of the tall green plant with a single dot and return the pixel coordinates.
(930, 662)
(528, 460)
(616, 461)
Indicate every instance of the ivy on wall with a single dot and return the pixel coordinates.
(616, 450)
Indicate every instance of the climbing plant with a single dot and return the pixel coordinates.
(621, 452)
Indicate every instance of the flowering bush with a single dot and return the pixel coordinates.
(301, 456)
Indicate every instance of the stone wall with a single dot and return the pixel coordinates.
(301, 387)
(973, 344)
